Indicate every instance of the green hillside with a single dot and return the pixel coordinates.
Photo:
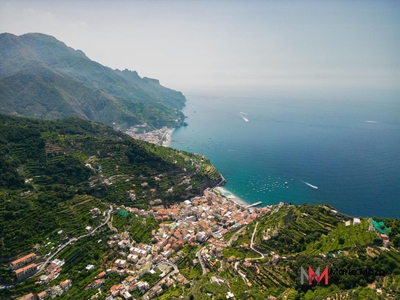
(42, 77)
(53, 172)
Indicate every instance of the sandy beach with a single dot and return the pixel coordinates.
(167, 138)
(230, 196)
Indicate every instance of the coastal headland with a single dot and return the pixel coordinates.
(163, 137)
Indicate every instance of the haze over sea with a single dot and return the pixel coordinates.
(348, 147)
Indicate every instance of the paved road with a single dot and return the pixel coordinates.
(75, 239)
(254, 232)
(234, 235)
(156, 285)
(167, 262)
(200, 258)
(252, 241)
(240, 273)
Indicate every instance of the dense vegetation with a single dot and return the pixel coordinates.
(42, 77)
(54, 172)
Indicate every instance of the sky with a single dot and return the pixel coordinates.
(227, 46)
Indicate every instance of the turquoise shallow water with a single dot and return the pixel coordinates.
(349, 149)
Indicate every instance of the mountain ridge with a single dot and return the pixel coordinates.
(134, 100)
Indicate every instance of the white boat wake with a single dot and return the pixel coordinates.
(371, 122)
(243, 113)
(309, 184)
(243, 117)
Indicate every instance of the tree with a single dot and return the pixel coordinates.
(396, 241)
(292, 295)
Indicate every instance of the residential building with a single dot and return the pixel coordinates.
(25, 272)
(276, 258)
(30, 296)
(97, 283)
(120, 263)
(65, 285)
(132, 258)
(126, 295)
(18, 263)
(115, 290)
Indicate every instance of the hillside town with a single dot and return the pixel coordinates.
(192, 222)
(159, 137)
(205, 218)
(200, 223)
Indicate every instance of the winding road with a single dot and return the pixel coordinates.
(76, 239)
(156, 285)
(234, 235)
(252, 242)
(240, 273)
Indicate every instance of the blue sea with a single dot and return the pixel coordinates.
(342, 152)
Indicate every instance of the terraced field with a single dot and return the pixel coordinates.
(73, 215)
(53, 172)
(342, 237)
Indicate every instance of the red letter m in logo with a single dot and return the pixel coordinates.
(316, 275)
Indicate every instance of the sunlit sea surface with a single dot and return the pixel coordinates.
(345, 153)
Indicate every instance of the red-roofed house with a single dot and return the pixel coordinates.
(30, 296)
(115, 289)
(65, 285)
(97, 283)
(25, 272)
(18, 263)
(42, 295)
